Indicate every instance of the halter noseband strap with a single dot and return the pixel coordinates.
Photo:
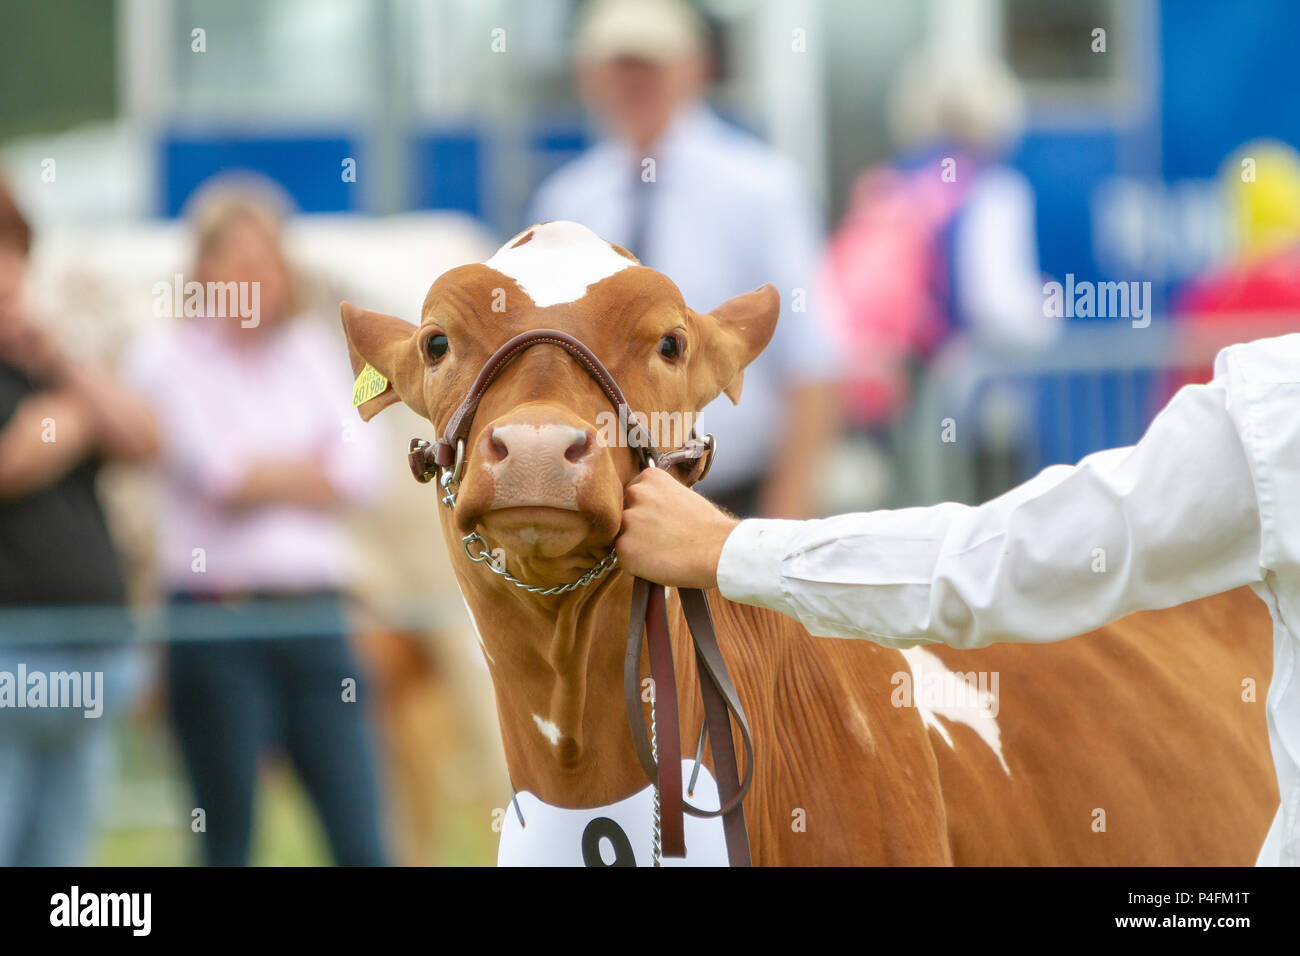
(459, 424)
(448, 453)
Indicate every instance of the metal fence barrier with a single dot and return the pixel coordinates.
(984, 422)
(233, 619)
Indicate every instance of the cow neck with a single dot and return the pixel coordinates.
(557, 665)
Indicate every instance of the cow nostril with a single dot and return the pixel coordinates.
(524, 445)
(580, 445)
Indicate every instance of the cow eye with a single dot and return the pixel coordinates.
(435, 346)
(670, 347)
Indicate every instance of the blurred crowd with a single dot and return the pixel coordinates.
(295, 565)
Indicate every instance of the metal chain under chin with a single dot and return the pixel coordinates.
(450, 482)
(486, 558)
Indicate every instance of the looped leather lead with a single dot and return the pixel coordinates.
(721, 703)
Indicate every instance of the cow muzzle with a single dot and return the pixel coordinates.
(537, 465)
(539, 484)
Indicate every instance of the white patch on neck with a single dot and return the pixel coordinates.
(938, 692)
(477, 633)
(548, 729)
(559, 263)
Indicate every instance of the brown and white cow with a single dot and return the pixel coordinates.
(1135, 744)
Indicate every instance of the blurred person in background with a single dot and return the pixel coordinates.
(259, 465)
(720, 212)
(939, 242)
(61, 419)
(1260, 186)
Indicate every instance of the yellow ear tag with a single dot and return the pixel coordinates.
(369, 384)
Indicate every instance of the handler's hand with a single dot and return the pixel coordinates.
(670, 534)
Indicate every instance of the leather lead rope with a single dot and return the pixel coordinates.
(669, 738)
(721, 703)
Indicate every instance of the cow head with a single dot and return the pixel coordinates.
(545, 464)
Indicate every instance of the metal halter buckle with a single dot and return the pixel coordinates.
(450, 480)
(420, 460)
(712, 444)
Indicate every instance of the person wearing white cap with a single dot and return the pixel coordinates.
(721, 213)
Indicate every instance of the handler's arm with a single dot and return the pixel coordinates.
(1168, 520)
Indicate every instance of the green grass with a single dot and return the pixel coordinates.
(146, 820)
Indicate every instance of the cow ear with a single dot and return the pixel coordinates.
(385, 360)
(744, 327)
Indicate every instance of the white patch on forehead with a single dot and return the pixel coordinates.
(548, 729)
(559, 263)
(938, 692)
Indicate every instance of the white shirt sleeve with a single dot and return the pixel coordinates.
(1170, 519)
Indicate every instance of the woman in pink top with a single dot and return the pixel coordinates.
(260, 461)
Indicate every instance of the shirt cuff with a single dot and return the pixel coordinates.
(749, 569)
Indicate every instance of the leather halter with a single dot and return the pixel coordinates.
(648, 617)
(449, 451)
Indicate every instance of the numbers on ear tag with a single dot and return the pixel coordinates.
(369, 384)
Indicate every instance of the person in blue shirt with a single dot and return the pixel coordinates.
(722, 213)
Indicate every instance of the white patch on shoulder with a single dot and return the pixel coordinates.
(548, 729)
(559, 263)
(938, 692)
(620, 834)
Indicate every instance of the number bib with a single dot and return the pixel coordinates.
(620, 834)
